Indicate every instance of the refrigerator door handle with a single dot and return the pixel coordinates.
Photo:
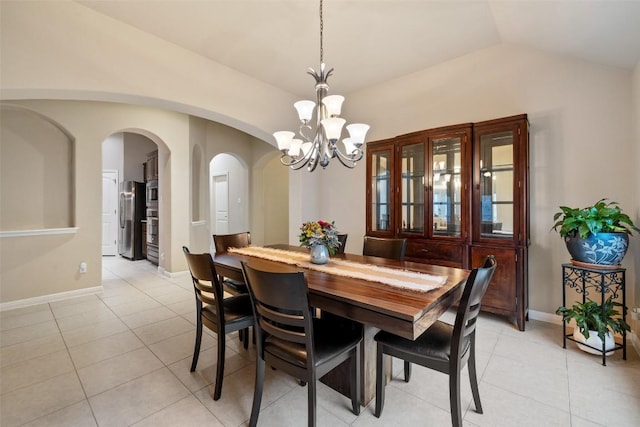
(121, 210)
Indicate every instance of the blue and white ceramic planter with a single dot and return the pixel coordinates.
(601, 248)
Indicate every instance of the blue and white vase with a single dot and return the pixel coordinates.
(319, 254)
(601, 248)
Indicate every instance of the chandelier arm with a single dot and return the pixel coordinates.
(352, 159)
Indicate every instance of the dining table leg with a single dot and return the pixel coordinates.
(338, 378)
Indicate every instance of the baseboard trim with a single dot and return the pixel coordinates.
(44, 299)
(545, 317)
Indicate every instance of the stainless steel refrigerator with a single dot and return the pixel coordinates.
(132, 213)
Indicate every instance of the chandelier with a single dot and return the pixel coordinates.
(319, 146)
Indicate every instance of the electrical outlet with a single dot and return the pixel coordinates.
(635, 313)
(83, 267)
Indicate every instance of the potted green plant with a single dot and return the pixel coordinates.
(595, 323)
(597, 234)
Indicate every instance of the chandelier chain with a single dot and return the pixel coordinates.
(321, 32)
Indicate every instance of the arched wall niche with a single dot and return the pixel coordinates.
(36, 173)
(228, 194)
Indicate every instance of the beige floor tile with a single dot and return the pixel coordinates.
(545, 385)
(24, 310)
(526, 378)
(105, 348)
(25, 319)
(31, 349)
(188, 412)
(234, 406)
(30, 403)
(118, 370)
(86, 304)
(123, 306)
(502, 408)
(93, 332)
(403, 410)
(78, 415)
(147, 317)
(205, 373)
(33, 371)
(81, 320)
(137, 399)
(180, 346)
(291, 411)
(162, 330)
(24, 334)
(183, 307)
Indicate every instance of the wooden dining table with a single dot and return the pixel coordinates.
(407, 313)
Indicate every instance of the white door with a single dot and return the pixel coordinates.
(109, 212)
(221, 199)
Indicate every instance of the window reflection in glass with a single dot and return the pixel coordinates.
(447, 193)
(412, 188)
(381, 190)
(496, 185)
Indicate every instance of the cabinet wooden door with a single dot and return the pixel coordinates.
(500, 196)
(506, 294)
(381, 189)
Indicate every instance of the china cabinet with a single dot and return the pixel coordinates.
(457, 194)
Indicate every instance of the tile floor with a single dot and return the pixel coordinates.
(122, 358)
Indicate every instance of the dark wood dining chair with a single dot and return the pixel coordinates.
(384, 247)
(342, 238)
(291, 340)
(443, 347)
(219, 314)
(222, 243)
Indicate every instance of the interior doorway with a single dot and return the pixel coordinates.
(220, 208)
(109, 212)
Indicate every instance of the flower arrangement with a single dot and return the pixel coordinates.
(320, 233)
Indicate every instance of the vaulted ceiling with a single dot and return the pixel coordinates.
(371, 41)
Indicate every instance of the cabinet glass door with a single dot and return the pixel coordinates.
(447, 186)
(496, 185)
(381, 190)
(412, 188)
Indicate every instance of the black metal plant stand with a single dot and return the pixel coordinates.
(606, 282)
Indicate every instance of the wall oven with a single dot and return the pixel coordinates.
(152, 193)
(153, 232)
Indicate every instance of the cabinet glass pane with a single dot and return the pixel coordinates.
(381, 190)
(447, 194)
(412, 188)
(496, 185)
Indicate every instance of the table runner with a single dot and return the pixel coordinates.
(409, 280)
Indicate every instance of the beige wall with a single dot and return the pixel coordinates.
(582, 125)
(634, 285)
(581, 138)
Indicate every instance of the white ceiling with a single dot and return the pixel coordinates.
(371, 41)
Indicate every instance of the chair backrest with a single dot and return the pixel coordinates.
(342, 238)
(384, 247)
(281, 307)
(202, 271)
(469, 306)
(223, 242)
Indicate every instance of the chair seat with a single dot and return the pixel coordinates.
(236, 309)
(235, 286)
(434, 343)
(327, 341)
